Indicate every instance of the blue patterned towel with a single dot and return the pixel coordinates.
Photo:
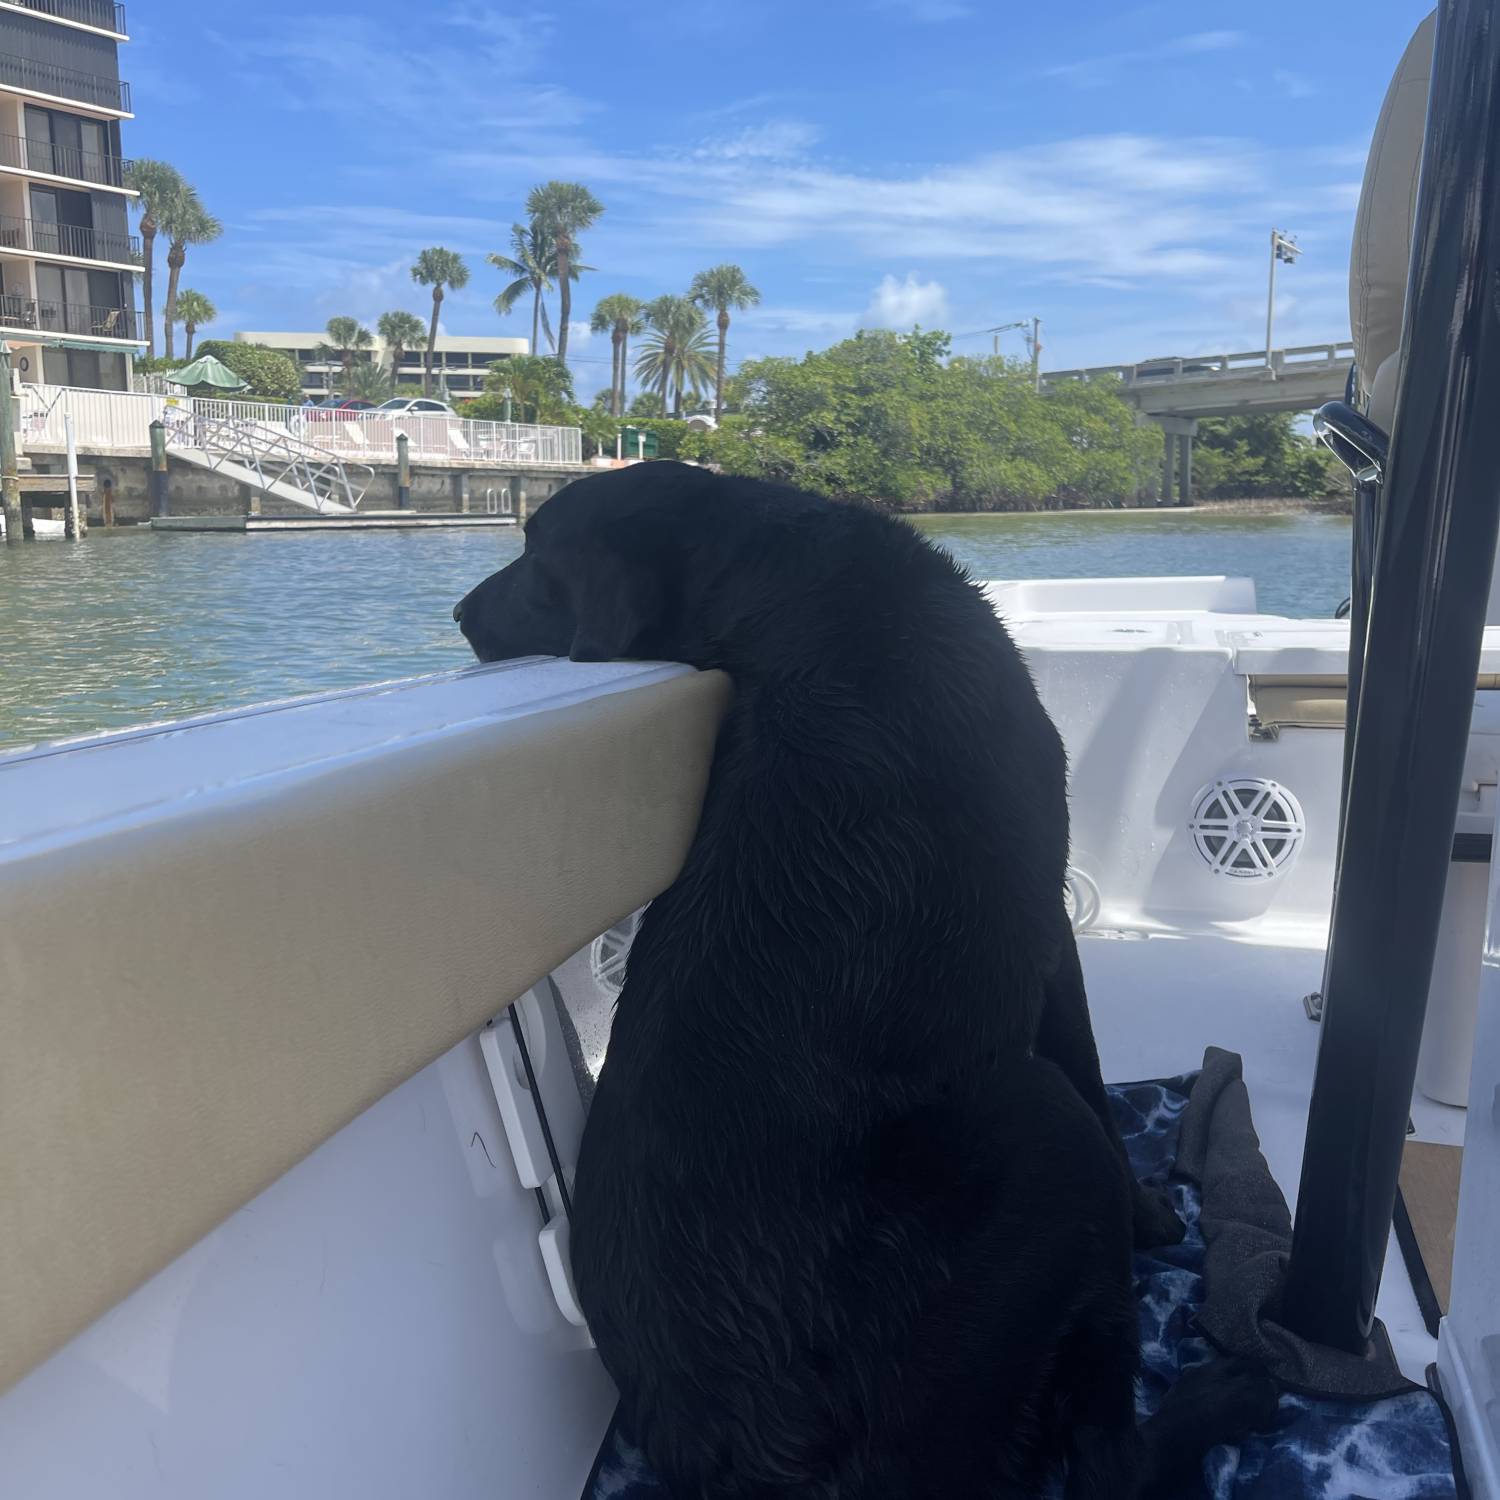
(1397, 1448)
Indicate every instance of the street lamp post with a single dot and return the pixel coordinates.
(1284, 247)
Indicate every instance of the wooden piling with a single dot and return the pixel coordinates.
(161, 498)
(10, 474)
(403, 471)
(75, 519)
(107, 502)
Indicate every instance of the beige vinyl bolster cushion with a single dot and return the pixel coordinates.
(1385, 221)
(189, 1008)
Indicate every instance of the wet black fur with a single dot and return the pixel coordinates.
(851, 1222)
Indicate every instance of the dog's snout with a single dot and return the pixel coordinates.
(458, 612)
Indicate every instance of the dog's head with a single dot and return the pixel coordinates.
(599, 579)
(622, 565)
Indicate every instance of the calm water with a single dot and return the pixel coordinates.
(134, 626)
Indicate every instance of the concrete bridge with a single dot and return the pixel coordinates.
(1176, 393)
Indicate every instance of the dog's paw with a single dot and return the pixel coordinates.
(1155, 1220)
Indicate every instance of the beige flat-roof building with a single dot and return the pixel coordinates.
(459, 362)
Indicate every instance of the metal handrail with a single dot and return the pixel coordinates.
(275, 456)
(64, 83)
(84, 320)
(63, 161)
(1212, 366)
(47, 237)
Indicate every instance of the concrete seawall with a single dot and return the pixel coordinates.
(125, 480)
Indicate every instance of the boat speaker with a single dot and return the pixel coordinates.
(1247, 828)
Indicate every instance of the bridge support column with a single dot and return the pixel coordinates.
(1177, 458)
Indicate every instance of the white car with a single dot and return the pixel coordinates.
(415, 406)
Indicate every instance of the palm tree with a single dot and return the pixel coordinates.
(195, 310)
(539, 387)
(562, 211)
(347, 338)
(187, 222)
(532, 268)
(674, 355)
(400, 330)
(620, 315)
(721, 288)
(370, 381)
(158, 184)
(437, 268)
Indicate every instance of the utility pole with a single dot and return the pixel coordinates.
(1036, 354)
(1283, 248)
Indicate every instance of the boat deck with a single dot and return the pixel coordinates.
(1157, 1001)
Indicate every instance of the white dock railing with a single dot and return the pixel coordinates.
(121, 421)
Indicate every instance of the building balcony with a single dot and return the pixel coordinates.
(50, 160)
(101, 15)
(68, 319)
(42, 237)
(90, 89)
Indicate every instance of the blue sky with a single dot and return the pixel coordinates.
(1114, 169)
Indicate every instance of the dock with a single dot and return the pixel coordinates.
(374, 520)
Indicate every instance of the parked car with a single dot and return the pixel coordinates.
(337, 409)
(416, 406)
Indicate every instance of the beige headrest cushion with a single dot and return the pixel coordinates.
(1386, 218)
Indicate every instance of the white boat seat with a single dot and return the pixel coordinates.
(219, 943)
(1384, 225)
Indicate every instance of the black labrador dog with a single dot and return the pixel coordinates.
(852, 1220)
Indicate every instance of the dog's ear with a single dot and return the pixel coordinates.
(618, 603)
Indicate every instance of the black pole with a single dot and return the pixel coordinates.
(1365, 451)
(1435, 553)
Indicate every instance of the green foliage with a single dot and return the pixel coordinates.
(674, 439)
(646, 404)
(1262, 455)
(368, 381)
(541, 390)
(599, 428)
(722, 288)
(271, 374)
(674, 355)
(889, 418)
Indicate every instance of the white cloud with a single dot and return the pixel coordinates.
(776, 140)
(930, 10)
(579, 334)
(1293, 85)
(817, 321)
(904, 304)
(1090, 72)
(1128, 207)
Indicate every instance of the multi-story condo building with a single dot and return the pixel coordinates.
(68, 262)
(459, 363)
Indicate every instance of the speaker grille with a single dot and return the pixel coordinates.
(1247, 828)
(609, 954)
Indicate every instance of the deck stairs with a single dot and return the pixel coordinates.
(270, 460)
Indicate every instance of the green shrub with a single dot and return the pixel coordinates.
(272, 376)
